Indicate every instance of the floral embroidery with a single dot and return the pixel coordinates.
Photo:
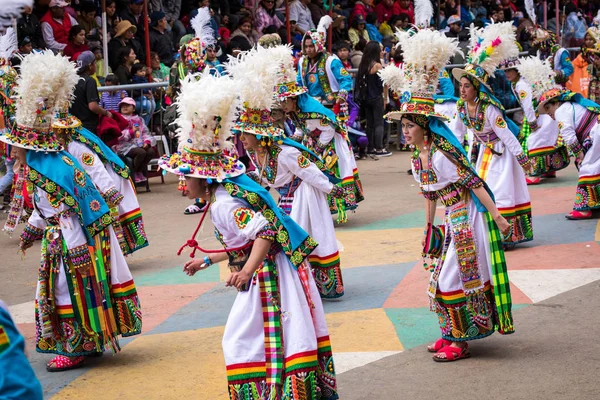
(53, 200)
(323, 78)
(94, 205)
(500, 122)
(303, 162)
(242, 217)
(522, 94)
(122, 172)
(79, 177)
(476, 123)
(67, 161)
(88, 159)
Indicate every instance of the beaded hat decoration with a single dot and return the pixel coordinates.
(510, 63)
(426, 52)
(319, 35)
(286, 76)
(35, 93)
(489, 47)
(8, 46)
(62, 121)
(540, 75)
(255, 73)
(204, 126)
(194, 56)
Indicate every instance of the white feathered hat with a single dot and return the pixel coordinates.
(205, 36)
(489, 47)
(8, 75)
(256, 75)
(426, 52)
(540, 75)
(205, 123)
(319, 35)
(286, 76)
(62, 121)
(36, 91)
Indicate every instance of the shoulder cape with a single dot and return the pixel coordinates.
(105, 153)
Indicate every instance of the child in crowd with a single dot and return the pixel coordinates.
(144, 100)
(135, 141)
(372, 27)
(342, 50)
(216, 68)
(110, 100)
(160, 72)
(101, 73)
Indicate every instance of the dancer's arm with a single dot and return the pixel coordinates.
(489, 204)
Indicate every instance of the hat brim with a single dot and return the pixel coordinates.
(71, 122)
(258, 130)
(294, 93)
(176, 166)
(541, 104)
(9, 139)
(458, 73)
(397, 115)
(122, 31)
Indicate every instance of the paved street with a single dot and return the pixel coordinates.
(378, 329)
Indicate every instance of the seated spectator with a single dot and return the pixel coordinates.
(110, 100)
(575, 26)
(172, 10)
(135, 141)
(466, 12)
(25, 48)
(161, 41)
(371, 27)
(212, 62)
(245, 33)
(357, 54)
(361, 8)
(160, 72)
(30, 26)
(112, 19)
(87, 18)
(403, 22)
(224, 32)
(317, 11)
(76, 42)
(133, 14)
(387, 28)
(339, 31)
(265, 17)
(101, 72)
(144, 100)
(342, 50)
(85, 105)
(126, 57)
(236, 46)
(56, 25)
(455, 29)
(124, 37)
(406, 7)
(385, 11)
(301, 16)
(358, 30)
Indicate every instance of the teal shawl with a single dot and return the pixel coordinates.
(105, 153)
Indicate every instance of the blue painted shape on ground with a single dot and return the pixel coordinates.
(366, 288)
(556, 229)
(175, 276)
(409, 220)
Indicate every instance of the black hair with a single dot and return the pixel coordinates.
(371, 18)
(371, 56)
(393, 19)
(360, 45)
(88, 7)
(403, 17)
(123, 53)
(75, 29)
(112, 78)
(342, 44)
(135, 68)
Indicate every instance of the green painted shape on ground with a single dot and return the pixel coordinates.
(176, 276)
(418, 326)
(414, 219)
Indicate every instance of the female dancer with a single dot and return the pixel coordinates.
(468, 288)
(546, 153)
(289, 168)
(578, 123)
(494, 149)
(276, 343)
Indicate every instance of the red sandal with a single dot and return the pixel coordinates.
(63, 363)
(576, 215)
(533, 181)
(452, 353)
(437, 346)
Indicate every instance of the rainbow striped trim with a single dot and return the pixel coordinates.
(124, 289)
(326, 261)
(542, 151)
(4, 340)
(458, 296)
(588, 180)
(518, 209)
(485, 163)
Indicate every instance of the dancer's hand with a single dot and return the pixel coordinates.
(193, 266)
(238, 279)
(503, 225)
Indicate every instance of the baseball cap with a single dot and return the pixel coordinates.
(453, 19)
(84, 59)
(127, 100)
(155, 17)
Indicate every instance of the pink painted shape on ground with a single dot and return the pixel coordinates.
(160, 302)
(518, 297)
(552, 200)
(411, 291)
(556, 256)
(28, 332)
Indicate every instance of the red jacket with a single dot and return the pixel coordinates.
(384, 13)
(410, 11)
(61, 31)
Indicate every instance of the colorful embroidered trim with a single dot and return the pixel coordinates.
(519, 218)
(548, 159)
(587, 196)
(134, 234)
(328, 275)
(522, 159)
(80, 257)
(112, 197)
(122, 172)
(267, 233)
(29, 235)
(321, 74)
(4, 340)
(242, 217)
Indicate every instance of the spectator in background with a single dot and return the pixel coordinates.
(29, 26)
(244, 32)
(357, 54)
(317, 10)
(101, 72)
(76, 42)
(133, 14)
(224, 32)
(385, 11)
(126, 57)
(371, 28)
(25, 48)
(160, 72)
(580, 79)
(358, 30)
(56, 25)
(110, 100)
(387, 28)
(85, 105)
(342, 50)
(161, 41)
(403, 23)
(144, 101)
(172, 10)
(215, 66)
(455, 29)
(575, 27)
(339, 31)
(112, 19)
(509, 9)
(300, 13)
(87, 18)
(266, 17)
(361, 8)
(124, 37)
(406, 7)
(466, 12)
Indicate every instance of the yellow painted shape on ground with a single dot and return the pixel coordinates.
(380, 247)
(597, 236)
(178, 365)
(364, 330)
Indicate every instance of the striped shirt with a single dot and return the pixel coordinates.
(110, 101)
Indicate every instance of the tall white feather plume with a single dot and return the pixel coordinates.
(69, 78)
(199, 105)
(36, 89)
(256, 77)
(539, 74)
(423, 13)
(496, 43)
(324, 24)
(10, 9)
(393, 77)
(8, 44)
(282, 55)
(530, 8)
(201, 26)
